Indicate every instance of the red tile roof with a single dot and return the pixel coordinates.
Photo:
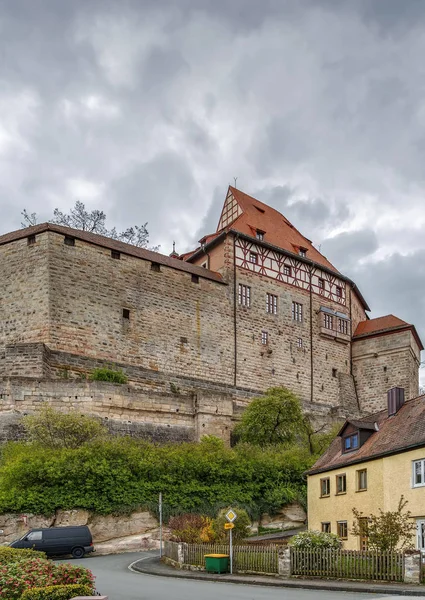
(106, 242)
(278, 231)
(400, 432)
(383, 325)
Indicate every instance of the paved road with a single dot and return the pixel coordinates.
(115, 580)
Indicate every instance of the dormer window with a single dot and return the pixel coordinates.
(351, 442)
(259, 235)
(302, 252)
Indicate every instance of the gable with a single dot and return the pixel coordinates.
(231, 211)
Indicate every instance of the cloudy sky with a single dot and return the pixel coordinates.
(149, 108)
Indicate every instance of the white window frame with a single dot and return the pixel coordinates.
(264, 337)
(422, 484)
(271, 304)
(253, 258)
(244, 293)
(297, 312)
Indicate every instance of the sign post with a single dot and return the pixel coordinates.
(230, 516)
(160, 524)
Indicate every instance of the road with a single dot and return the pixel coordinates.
(114, 579)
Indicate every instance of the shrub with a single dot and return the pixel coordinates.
(315, 539)
(11, 555)
(191, 528)
(105, 374)
(57, 592)
(19, 576)
(241, 524)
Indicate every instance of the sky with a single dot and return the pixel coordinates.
(148, 110)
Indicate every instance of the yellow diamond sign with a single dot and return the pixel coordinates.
(231, 516)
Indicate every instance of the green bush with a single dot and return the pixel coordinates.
(19, 576)
(241, 524)
(57, 592)
(123, 474)
(106, 374)
(11, 555)
(315, 539)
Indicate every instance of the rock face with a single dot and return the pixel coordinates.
(291, 516)
(138, 531)
(123, 533)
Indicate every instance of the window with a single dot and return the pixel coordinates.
(338, 292)
(115, 254)
(341, 484)
(34, 536)
(297, 312)
(69, 241)
(125, 313)
(31, 240)
(362, 480)
(195, 279)
(351, 442)
(155, 267)
(342, 529)
(303, 252)
(205, 265)
(328, 321)
(253, 258)
(259, 235)
(264, 338)
(343, 326)
(244, 295)
(325, 487)
(299, 342)
(326, 527)
(418, 472)
(334, 372)
(321, 284)
(287, 270)
(271, 304)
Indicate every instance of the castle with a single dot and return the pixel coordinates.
(256, 305)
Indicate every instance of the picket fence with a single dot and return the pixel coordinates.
(347, 564)
(246, 559)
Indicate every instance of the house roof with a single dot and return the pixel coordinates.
(105, 242)
(397, 433)
(382, 326)
(278, 231)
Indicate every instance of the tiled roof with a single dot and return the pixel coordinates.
(380, 324)
(278, 231)
(404, 430)
(105, 242)
(383, 325)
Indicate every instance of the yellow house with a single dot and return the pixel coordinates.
(369, 466)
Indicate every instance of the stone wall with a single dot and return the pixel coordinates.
(388, 361)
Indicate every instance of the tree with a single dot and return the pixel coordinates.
(53, 429)
(317, 439)
(93, 221)
(275, 418)
(387, 531)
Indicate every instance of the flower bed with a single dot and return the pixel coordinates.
(21, 574)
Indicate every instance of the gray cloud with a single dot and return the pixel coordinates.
(149, 108)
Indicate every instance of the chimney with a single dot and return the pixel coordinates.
(395, 400)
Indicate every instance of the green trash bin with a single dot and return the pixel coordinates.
(216, 563)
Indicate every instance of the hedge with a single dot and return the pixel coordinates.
(11, 555)
(123, 474)
(57, 592)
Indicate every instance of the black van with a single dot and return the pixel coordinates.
(58, 540)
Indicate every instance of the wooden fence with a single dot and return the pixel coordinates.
(246, 559)
(347, 564)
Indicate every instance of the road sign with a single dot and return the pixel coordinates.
(231, 515)
(229, 525)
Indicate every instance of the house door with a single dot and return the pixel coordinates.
(363, 533)
(420, 535)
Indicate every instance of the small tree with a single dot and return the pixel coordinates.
(275, 418)
(53, 429)
(387, 531)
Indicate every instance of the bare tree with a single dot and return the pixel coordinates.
(95, 222)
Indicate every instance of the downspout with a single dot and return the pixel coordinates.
(311, 337)
(235, 333)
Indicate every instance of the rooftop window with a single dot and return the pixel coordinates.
(350, 442)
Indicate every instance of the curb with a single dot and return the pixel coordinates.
(320, 585)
